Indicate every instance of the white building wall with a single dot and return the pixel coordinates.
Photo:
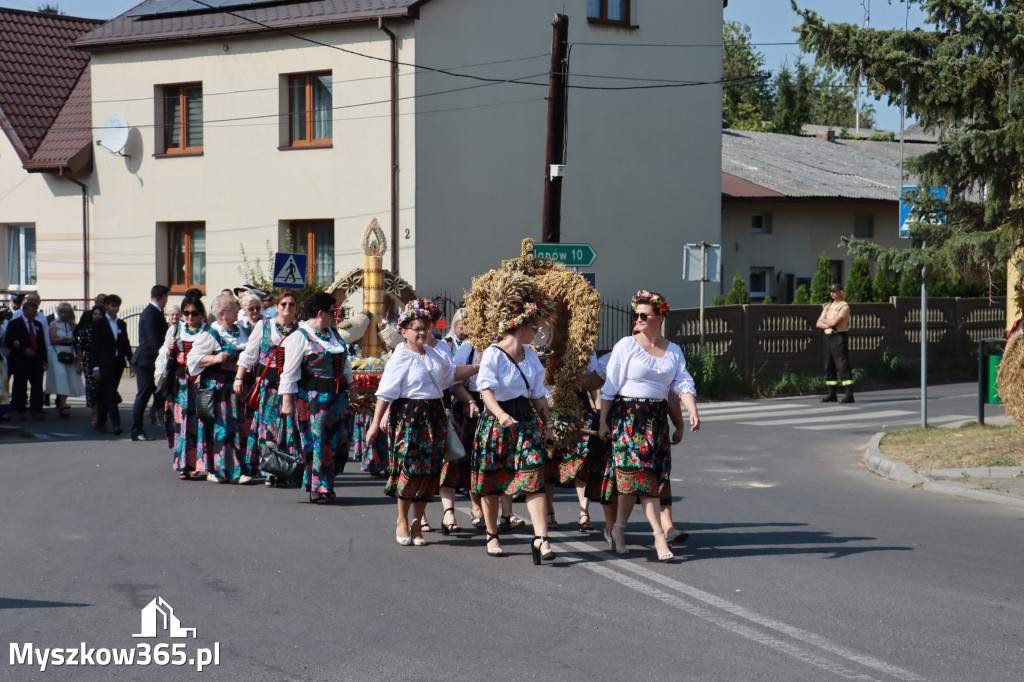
(243, 186)
(54, 206)
(643, 167)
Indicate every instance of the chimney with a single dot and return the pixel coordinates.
(829, 135)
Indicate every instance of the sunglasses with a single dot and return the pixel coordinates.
(417, 330)
(642, 317)
(189, 313)
(286, 304)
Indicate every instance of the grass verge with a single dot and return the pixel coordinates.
(969, 446)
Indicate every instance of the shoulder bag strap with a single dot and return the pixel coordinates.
(513, 360)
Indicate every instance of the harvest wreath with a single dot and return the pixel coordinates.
(573, 308)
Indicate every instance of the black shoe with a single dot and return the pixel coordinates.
(118, 431)
(830, 398)
(848, 398)
(142, 436)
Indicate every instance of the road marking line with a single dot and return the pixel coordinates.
(814, 412)
(745, 614)
(752, 408)
(842, 417)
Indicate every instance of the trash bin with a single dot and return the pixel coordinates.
(993, 372)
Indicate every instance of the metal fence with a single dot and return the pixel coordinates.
(781, 338)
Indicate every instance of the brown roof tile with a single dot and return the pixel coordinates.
(127, 30)
(39, 70)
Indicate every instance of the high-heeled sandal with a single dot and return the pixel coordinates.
(621, 548)
(677, 536)
(538, 555)
(449, 528)
(425, 525)
(552, 523)
(667, 556)
(494, 551)
(510, 522)
(585, 525)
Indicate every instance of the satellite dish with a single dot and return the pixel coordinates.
(114, 134)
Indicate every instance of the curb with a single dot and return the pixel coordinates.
(895, 470)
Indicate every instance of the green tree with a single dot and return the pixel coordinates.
(822, 280)
(858, 285)
(717, 300)
(51, 8)
(957, 78)
(800, 296)
(738, 295)
(885, 284)
(747, 103)
(834, 101)
(909, 284)
(792, 108)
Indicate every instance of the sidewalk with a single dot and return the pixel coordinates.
(1000, 485)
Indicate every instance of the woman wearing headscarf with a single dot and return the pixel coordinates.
(263, 359)
(184, 416)
(316, 386)
(213, 358)
(411, 389)
(62, 376)
(643, 371)
(509, 447)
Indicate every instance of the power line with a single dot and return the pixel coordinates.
(681, 44)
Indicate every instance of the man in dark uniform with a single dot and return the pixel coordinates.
(111, 353)
(152, 327)
(835, 320)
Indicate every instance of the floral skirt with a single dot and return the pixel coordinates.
(641, 457)
(508, 460)
(325, 436)
(373, 460)
(268, 424)
(456, 474)
(574, 462)
(186, 424)
(220, 442)
(417, 432)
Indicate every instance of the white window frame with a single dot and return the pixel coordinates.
(765, 220)
(16, 243)
(769, 273)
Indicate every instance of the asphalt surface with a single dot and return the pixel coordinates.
(802, 565)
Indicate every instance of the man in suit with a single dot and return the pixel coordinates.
(152, 327)
(26, 339)
(111, 353)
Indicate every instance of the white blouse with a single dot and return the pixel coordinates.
(205, 344)
(499, 374)
(185, 334)
(635, 373)
(462, 357)
(296, 348)
(252, 349)
(405, 377)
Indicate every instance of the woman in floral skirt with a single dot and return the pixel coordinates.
(264, 358)
(644, 369)
(213, 358)
(412, 386)
(509, 450)
(185, 418)
(316, 386)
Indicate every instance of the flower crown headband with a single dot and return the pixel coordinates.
(429, 306)
(656, 301)
(531, 311)
(415, 310)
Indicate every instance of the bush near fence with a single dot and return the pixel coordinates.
(782, 338)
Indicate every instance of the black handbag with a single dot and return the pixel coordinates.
(277, 462)
(164, 386)
(65, 357)
(205, 398)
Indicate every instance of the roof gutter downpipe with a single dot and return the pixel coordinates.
(394, 143)
(85, 235)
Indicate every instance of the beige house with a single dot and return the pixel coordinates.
(788, 199)
(286, 124)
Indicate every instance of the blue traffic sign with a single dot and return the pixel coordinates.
(906, 207)
(290, 270)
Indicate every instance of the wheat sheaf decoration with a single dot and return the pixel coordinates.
(1011, 377)
(573, 310)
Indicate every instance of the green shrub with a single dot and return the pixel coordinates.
(822, 280)
(738, 294)
(800, 296)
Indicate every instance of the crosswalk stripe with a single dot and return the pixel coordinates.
(749, 408)
(841, 417)
(802, 410)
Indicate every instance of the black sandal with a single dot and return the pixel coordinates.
(585, 525)
(317, 498)
(552, 523)
(494, 551)
(184, 476)
(506, 524)
(478, 522)
(449, 528)
(535, 550)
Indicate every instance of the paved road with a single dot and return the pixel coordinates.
(802, 566)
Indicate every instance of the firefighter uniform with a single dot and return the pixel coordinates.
(837, 360)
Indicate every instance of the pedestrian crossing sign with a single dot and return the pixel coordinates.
(290, 270)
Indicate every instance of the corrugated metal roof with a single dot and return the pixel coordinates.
(808, 167)
(126, 30)
(39, 70)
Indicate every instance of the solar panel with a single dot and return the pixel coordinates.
(165, 7)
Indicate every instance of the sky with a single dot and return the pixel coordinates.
(770, 21)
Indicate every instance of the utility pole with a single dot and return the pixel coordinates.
(555, 149)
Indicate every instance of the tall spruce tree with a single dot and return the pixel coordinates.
(738, 295)
(822, 280)
(957, 80)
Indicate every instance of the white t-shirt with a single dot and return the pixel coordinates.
(296, 348)
(499, 373)
(205, 344)
(463, 357)
(405, 376)
(634, 373)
